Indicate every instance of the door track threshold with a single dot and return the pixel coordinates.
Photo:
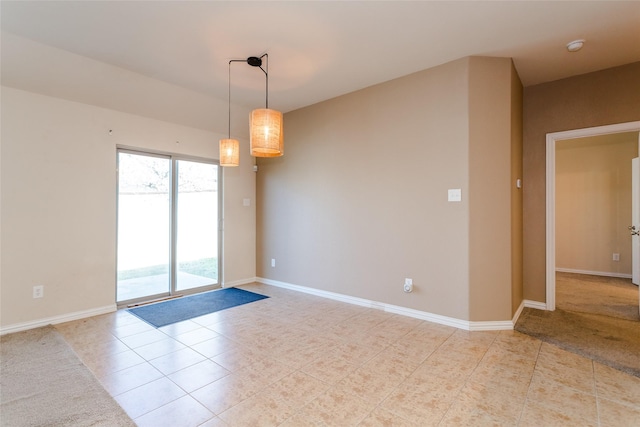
(153, 301)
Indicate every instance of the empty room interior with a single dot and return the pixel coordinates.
(452, 183)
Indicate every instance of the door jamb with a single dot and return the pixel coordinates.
(552, 138)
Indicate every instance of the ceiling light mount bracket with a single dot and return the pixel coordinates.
(254, 61)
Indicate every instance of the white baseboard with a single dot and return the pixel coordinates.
(529, 304)
(593, 273)
(418, 314)
(535, 304)
(17, 327)
(517, 314)
(240, 282)
(423, 315)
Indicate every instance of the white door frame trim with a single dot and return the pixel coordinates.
(552, 138)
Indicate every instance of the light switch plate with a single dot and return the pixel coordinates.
(246, 202)
(455, 195)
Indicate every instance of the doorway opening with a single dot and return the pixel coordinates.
(168, 234)
(552, 139)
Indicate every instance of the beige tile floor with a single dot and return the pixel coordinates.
(300, 360)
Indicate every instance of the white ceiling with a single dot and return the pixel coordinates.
(319, 50)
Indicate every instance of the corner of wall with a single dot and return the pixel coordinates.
(491, 205)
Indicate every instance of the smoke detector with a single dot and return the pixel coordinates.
(575, 45)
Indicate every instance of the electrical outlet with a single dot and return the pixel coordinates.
(273, 262)
(616, 257)
(408, 285)
(38, 291)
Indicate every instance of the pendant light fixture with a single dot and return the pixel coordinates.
(266, 138)
(229, 148)
(266, 125)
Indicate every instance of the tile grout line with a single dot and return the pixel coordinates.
(467, 379)
(595, 390)
(164, 375)
(414, 370)
(402, 382)
(526, 399)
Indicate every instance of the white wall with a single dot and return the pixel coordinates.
(58, 203)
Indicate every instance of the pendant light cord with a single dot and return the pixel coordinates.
(229, 91)
(257, 63)
(229, 100)
(266, 75)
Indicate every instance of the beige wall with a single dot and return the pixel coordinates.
(359, 201)
(58, 202)
(517, 291)
(491, 189)
(594, 99)
(593, 203)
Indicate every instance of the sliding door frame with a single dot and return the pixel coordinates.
(173, 221)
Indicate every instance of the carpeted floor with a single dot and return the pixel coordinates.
(596, 317)
(40, 376)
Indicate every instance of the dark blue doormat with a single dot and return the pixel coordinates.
(185, 308)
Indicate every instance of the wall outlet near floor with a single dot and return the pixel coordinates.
(616, 257)
(408, 285)
(38, 291)
(273, 262)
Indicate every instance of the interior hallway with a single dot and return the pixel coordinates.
(300, 360)
(598, 295)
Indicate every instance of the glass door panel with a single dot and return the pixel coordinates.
(197, 225)
(144, 221)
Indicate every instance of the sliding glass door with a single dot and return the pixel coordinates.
(168, 234)
(144, 225)
(197, 225)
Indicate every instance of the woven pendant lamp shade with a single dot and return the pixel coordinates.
(229, 152)
(267, 133)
